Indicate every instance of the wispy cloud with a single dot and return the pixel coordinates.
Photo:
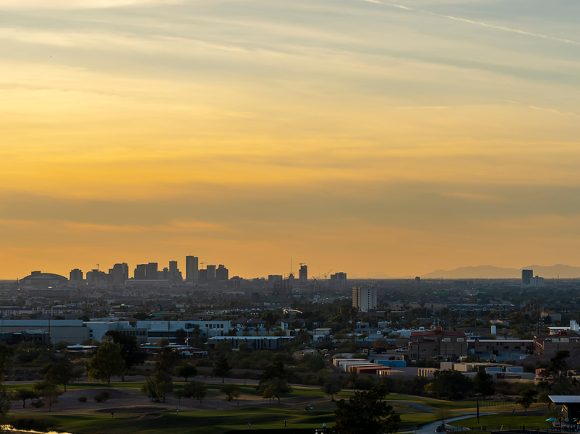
(79, 4)
(478, 23)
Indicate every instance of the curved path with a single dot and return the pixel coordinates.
(431, 428)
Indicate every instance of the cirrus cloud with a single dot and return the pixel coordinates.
(80, 4)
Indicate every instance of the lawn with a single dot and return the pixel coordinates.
(504, 422)
(414, 410)
(202, 422)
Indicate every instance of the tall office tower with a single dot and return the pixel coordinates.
(152, 271)
(211, 270)
(303, 273)
(76, 276)
(174, 273)
(202, 276)
(222, 273)
(97, 278)
(192, 269)
(119, 274)
(140, 272)
(527, 277)
(364, 299)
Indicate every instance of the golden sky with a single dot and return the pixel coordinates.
(375, 137)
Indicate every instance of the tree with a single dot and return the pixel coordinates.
(180, 337)
(130, 350)
(274, 370)
(24, 395)
(49, 391)
(222, 368)
(331, 387)
(483, 384)
(60, 371)
(158, 385)
(527, 398)
(5, 401)
(196, 390)
(167, 360)
(6, 359)
(451, 384)
(106, 362)
(186, 370)
(231, 391)
(274, 388)
(558, 363)
(195, 338)
(366, 413)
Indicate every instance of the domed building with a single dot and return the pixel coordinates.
(40, 280)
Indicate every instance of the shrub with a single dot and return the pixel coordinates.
(37, 403)
(102, 396)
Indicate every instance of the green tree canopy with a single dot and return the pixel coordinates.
(106, 362)
(130, 350)
(231, 391)
(451, 384)
(6, 359)
(274, 388)
(158, 385)
(186, 370)
(332, 386)
(366, 413)
(221, 367)
(196, 390)
(60, 371)
(527, 398)
(483, 384)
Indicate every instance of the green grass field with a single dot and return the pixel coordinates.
(414, 410)
(504, 422)
(203, 422)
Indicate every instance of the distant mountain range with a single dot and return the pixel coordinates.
(492, 272)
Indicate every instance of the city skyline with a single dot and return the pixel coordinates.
(384, 138)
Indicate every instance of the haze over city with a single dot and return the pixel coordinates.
(389, 139)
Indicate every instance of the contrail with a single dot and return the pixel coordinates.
(477, 23)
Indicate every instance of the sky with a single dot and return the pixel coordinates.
(381, 138)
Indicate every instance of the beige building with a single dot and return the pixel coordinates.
(364, 299)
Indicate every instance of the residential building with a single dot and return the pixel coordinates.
(364, 299)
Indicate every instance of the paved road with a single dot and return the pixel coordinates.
(432, 427)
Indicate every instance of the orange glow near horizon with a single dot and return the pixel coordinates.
(335, 134)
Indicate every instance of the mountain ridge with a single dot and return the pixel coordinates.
(562, 271)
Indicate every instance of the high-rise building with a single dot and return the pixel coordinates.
(222, 273)
(140, 272)
(152, 271)
(527, 277)
(76, 276)
(340, 277)
(119, 274)
(203, 275)
(364, 299)
(303, 273)
(275, 279)
(97, 278)
(174, 273)
(211, 273)
(192, 269)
